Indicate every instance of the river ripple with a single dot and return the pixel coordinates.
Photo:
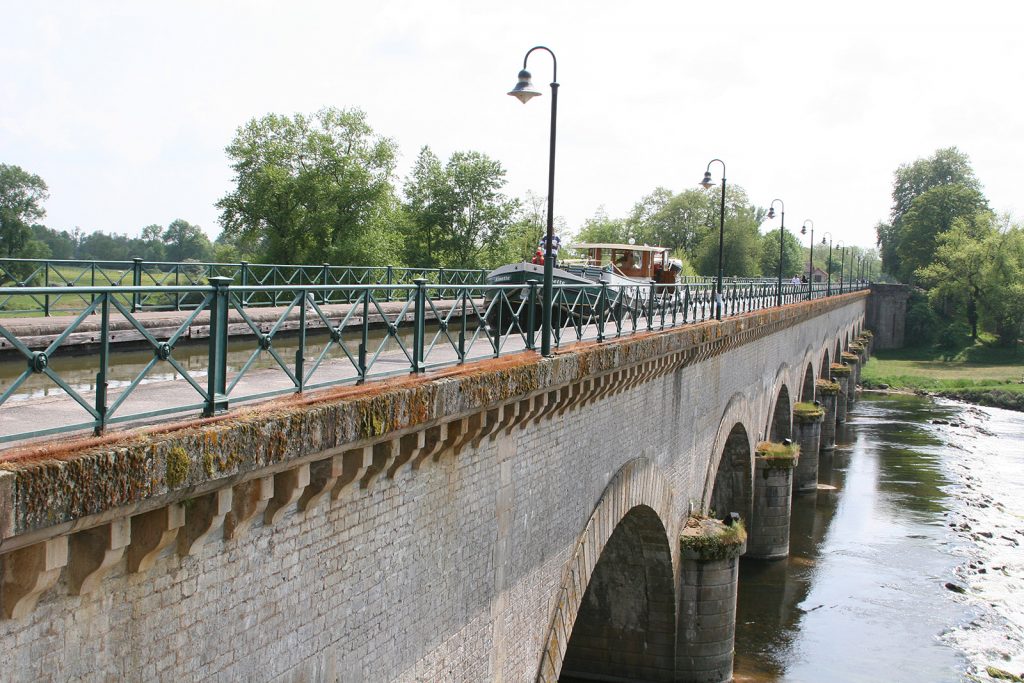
(919, 507)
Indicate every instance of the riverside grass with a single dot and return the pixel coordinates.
(980, 373)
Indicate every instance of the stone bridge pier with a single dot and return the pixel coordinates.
(520, 519)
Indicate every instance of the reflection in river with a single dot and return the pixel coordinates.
(915, 506)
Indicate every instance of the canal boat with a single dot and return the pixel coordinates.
(628, 270)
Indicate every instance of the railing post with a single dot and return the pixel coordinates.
(650, 308)
(421, 327)
(365, 334)
(46, 283)
(136, 282)
(243, 271)
(531, 316)
(326, 281)
(602, 304)
(92, 281)
(390, 282)
(101, 376)
(216, 377)
(300, 353)
(462, 328)
(686, 304)
(440, 281)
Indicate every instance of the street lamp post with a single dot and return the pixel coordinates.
(810, 260)
(782, 242)
(828, 287)
(524, 91)
(707, 184)
(842, 264)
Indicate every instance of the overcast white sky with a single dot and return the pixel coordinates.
(124, 108)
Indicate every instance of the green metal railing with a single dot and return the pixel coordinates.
(423, 325)
(164, 280)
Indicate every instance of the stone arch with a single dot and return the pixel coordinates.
(839, 350)
(826, 362)
(807, 389)
(639, 485)
(626, 620)
(781, 425)
(730, 480)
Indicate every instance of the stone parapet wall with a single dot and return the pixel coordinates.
(405, 530)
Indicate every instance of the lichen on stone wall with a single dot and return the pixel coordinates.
(177, 467)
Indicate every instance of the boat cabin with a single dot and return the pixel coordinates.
(632, 260)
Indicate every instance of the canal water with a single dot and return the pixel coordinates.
(907, 564)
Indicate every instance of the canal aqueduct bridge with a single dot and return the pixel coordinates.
(511, 520)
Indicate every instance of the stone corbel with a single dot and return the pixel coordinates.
(521, 413)
(491, 423)
(94, 552)
(28, 572)
(354, 464)
(248, 500)
(509, 411)
(151, 533)
(455, 431)
(288, 487)
(550, 406)
(470, 429)
(539, 401)
(569, 399)
(202, 516)
(323, 475)
(383, 453)
(408, 446)
(433, 441)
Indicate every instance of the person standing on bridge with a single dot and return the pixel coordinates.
(556, 242)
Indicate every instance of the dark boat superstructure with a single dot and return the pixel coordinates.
(629, 271)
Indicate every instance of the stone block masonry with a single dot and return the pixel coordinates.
(418, 529)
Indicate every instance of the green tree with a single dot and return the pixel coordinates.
(676, 221)
(601, 228)
(458, 210)
(519, 241)
(930, 215)
(978, 272)
(793, 261)
(742, 239)
(928, 195)
(186, 242)
(21, 203)
(312, 188)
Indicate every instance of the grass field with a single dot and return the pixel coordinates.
(978, 373)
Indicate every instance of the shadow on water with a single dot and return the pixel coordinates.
(857, 600)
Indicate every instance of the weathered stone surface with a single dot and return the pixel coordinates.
(466, 567)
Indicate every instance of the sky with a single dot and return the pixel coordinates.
(125, 108)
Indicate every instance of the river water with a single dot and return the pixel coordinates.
(907, 564)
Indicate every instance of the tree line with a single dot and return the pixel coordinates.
(966, 262)
(323, 188)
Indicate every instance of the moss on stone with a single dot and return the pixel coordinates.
(839, 370)
(778, 455)
(709, 539)
(828, 387)
(850, 357)
(807, 412)
(867, 334)
(177, 467)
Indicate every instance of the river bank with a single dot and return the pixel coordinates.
(979, 374)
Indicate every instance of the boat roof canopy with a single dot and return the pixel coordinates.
(603, 245)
